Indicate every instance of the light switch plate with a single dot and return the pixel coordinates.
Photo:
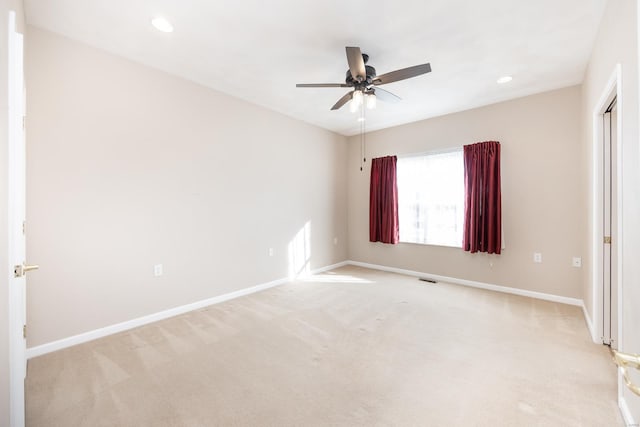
(157, 270)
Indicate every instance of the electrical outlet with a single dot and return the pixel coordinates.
(157, 270)
(537, 257)
(576, 261)
(270, 251)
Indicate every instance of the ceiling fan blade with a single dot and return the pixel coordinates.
(321, 85)
(405, 73)
(356, 63)
(343, 100)
(385, 95)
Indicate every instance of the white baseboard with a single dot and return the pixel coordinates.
(140, 321)
(329, 267)
(144, 320)
(592, 331)
(626, 413)
(474, 284)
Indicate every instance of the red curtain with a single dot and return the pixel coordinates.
(383, 201)
(482, 205)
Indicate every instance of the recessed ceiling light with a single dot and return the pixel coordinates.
(504, 79)
(361, 119)
(162, 24)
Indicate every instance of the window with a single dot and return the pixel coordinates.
(431, 198)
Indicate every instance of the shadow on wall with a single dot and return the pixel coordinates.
(300, 253)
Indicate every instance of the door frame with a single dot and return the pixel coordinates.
(15, 215)
(613, 89)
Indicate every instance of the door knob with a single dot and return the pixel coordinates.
(624, 361)
(20, 270)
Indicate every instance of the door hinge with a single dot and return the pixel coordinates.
(24, 331)
(24, 120)
(24, 227)
(607, 240)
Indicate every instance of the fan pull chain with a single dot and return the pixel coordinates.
(362, 137)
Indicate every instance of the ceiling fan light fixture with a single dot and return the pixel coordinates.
(371, 101)
(162, 24)
(353, 107)
(504, 79)
(356, 101)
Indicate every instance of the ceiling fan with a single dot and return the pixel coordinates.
(365, 83)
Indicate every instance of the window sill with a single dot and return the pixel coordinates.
(431, 244)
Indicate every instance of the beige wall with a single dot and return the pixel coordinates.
(617, 43)
(129, 167)
(543, 207)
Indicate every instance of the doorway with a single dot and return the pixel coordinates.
(606, 211)
(609, 226)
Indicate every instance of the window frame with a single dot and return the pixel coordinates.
(459, 149)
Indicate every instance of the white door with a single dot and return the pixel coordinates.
(610, 238)
(16, 176)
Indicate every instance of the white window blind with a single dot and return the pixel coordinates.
(431, 198)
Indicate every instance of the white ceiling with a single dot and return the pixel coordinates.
(258, 50)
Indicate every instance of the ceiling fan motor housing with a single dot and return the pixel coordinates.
(368, 81)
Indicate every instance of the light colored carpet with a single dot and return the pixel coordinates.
(352, 347)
